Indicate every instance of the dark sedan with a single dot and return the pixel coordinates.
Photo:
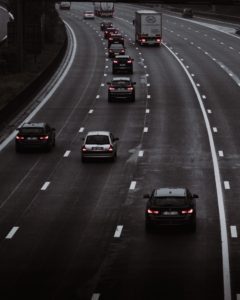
(116, 49)
(121, 88)
(171, 206)
(122, 64)
(35, 136)
(104, 25)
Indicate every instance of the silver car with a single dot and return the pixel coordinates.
(99, 144)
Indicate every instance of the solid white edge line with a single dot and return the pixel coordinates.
(49, 95)
(12, 232)
(221, 209)
(118, 231)
(233, 230)
(132, 185)
(95, 296)
(45, 186)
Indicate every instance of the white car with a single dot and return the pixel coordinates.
(88, 14)
(65, 5)
(99, 144)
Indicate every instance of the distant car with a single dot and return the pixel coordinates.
(99, 144)
(121, 88)
(171, 206)
(122, 64)
(187, 13)
(110, 30)
(116, 49)
(115, 38)
(104, 25)
(65, 5)
(35, 136)
(88, 14)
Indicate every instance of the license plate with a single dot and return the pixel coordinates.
(32, 138)
(170, 213)
(97, 148)
(122, 65)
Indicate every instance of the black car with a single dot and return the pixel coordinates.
(187, 13)
(116, 49)
(35, 136)
(108, 31)
(115, 38)
(104, 25)
(171, 206)
(122, 64)
(121, 88)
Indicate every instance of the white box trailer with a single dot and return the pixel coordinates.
(103, 9)
(148, 27)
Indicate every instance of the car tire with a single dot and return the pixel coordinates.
(192, 227)
(148, 226)
(84, 159)
(114, 158)
(133, 98)
(18, 149)
(109, 99)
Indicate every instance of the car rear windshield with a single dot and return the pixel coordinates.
(116, 46)
(121, 83)
(173, 201)
(97, 139)
(32, 130)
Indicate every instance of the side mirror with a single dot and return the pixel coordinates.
(146, 196)
(133, 22)
(195, 196)
(116, 139)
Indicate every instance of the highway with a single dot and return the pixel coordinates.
(4, 17)
(70, 230)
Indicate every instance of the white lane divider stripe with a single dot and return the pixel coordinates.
(226, 185)
(220, 152)
(233, 230)
(118, 231)
(12, 232)
(132, 185)
(66, 154)
(148, 96)
(45, 186)
(215, 129)
(90, 111)
(147, 110)
(140, 153)
(95, 296)
(209, 111)
(145, 129)
(81, 129)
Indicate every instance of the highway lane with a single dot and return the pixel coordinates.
(65, 242)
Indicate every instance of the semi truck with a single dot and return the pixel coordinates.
(148, 27)
(103, 9)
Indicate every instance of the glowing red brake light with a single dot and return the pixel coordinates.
(84, 149)
(143, 40)
(158, 40)
(45, 137)
(115, 61)
(19, 137)
(130, 88)
(111, 88)
(187, 211)
(152, 211)
(110, 148)
(129, 61)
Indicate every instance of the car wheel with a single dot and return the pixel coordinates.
(84, 159)
(148, 226)
(133, 98)
(192, 227)
(109, 99)
(18, 149)
(131, 72)
(114, 158)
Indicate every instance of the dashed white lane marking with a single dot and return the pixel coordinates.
(140, 153)
(102, 84)
(132, 185)
(192, 75)
(98, 96)
(45, 186)
(233, 230)
(118, 231)
(209, 111)
(147, 110)
(147, 75)
(95, 296)
(215, 129)
(145, 129)
(90, 111)
(106, 67)
(145, 67)
(12, 232)
(204, 97)
(148, 96)
(105, 75)
(66, 154)
(148, 84)
(198, 84)
(220, 153)
(226, 185)
(81, 129)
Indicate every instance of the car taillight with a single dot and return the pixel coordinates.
(122, 51)
(19, 137)
(143, 40)
(130, 88)
(152, 211)
(187, 211)
(158, 40)
(129, 61)
(84, 148)
(110, 39)
(111, 88)
(115, 61)
(110, 148)
(110, 50)
(45, 137)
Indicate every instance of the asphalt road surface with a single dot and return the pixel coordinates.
(70, 230)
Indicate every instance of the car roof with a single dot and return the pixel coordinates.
(102, 132)
(170, 192)
(116, 45)
(122, 56)
(88, 11)
(121, 78)
(33, 125)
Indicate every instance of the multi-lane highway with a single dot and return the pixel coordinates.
(70, 230)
